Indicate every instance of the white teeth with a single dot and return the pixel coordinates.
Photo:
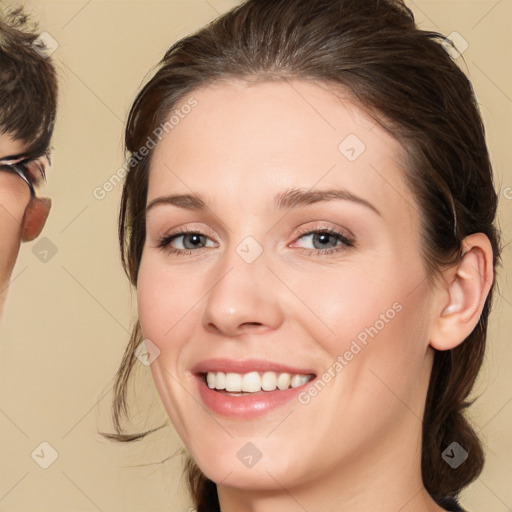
(283, 381)
(253, 382)
(269, 381)
(298, 380)
(233, 382)
(220, 380)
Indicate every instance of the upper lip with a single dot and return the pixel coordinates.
(246, 366)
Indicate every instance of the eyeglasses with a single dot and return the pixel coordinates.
(31, 170)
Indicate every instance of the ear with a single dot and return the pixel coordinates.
(35, 217)
(467, 286)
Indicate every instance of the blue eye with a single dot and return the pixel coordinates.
(324, 241)
(187, 241)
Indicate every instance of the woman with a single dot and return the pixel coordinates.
(309, 222)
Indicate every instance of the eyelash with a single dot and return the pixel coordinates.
(164, 243)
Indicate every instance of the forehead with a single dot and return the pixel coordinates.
(10, 146)
(264, 137)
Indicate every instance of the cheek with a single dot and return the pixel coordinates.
(375, 323)
(166, 300)
(165, 297)
(14, 197)
(351, 303)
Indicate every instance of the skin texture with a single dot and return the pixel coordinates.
(356, 445)
(21, 218)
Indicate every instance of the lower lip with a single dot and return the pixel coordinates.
(246, 406)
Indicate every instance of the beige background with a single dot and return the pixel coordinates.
(67, 319)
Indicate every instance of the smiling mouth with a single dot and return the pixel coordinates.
(243, 384)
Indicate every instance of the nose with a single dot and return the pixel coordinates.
(243, 299)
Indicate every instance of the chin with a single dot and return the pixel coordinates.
(251, 463)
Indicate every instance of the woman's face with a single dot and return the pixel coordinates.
(300, 258)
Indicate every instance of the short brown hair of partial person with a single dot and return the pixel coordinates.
(28, 83)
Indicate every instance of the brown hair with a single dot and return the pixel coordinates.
(408, 81)
(28, 84)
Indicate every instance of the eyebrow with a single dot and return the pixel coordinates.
(291, 198)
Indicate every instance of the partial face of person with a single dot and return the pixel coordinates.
(14, 198)
(15, 192)
(21, 217)
(281, 288)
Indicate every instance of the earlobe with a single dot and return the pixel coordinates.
(467, 289)
(35, 218)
